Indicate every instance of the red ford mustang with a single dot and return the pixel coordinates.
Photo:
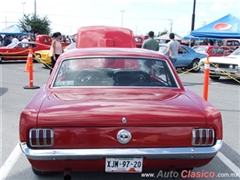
(19, 51)
(117, 110)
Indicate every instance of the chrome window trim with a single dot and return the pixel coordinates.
(116, 87)
(149, 153)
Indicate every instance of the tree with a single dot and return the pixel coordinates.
(162, 33)
(38, 24)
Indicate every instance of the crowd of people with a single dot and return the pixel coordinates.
(8, 39)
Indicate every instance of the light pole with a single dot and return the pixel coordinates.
(35, 7)
(122, 11)
(23, 3)
(193, 15)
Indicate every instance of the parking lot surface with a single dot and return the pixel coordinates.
(224, 95)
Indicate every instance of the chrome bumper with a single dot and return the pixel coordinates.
(149, 153)
(231, 72)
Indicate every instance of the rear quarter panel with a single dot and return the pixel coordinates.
(213, 115)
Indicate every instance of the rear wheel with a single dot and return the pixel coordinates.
(37, 57)
(195, 63)
(40, 173)
(214, 78)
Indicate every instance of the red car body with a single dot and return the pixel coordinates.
(46, 39)
(139, 40)
(19, 51)
(212, 51)
(86, 122)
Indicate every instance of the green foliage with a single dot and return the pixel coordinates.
(38, 24)
(162, 33)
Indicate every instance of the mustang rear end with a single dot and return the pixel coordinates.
(120, 114)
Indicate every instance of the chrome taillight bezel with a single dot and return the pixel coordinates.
(45, 141)
(203, 137)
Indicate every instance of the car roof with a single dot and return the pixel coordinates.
(138, 52)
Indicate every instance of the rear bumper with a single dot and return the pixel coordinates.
(148, 153)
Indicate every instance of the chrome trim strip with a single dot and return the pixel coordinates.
(207, 136)
(44, 137)
(149, 153)
(37, 137)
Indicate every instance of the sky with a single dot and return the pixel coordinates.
(141, 17)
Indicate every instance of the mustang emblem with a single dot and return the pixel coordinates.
(124, 136)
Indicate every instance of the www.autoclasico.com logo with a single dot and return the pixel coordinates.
(222, 26)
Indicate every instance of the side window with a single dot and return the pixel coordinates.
(236, 43)
(229, 43)
(182, 51)
(33, 45)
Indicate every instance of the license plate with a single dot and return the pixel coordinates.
(127, 165)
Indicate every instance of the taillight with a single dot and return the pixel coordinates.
(203, 137)
(41, 137)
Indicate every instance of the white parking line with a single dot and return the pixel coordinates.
(8, 165)
(228, 163)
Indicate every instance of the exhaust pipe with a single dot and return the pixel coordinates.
(67, 176)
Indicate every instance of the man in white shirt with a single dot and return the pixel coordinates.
(15, 40)
(25, 40)
(173, 47)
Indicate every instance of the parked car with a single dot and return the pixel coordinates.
(46, 39)
(187, 57)
(231, 44)
(45, 58)
(226, 66)
(117, 110)
(212, 51)
(139, 40)
(19, 51)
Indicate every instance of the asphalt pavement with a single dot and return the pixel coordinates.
(224, 95)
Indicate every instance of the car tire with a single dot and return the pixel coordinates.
(194, 63)
(37, 56)
(40, 173)
(1, 59)
(214, 78)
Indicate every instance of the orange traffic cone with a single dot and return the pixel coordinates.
(29, 68)
(29, 58)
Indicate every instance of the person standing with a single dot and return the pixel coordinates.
(56, 48)
(7, 40)
(151, 43)
(15, 39)
(173, 47)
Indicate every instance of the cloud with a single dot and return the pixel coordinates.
(184, 20)
(220, 7)
(202, 14)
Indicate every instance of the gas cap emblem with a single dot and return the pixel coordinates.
(124, 136)
(124, 120)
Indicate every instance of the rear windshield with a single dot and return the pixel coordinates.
(114, 72)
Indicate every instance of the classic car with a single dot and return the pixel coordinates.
(232, 44)
(187, 57)
(44, 57)
(117, 109)
(224, 66)
(139, 40)
(212, 51)
(19, 51)
(46, 39)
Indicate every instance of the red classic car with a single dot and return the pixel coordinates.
(117, 110)
(19, 51)
(139, 40)
(212, 51)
